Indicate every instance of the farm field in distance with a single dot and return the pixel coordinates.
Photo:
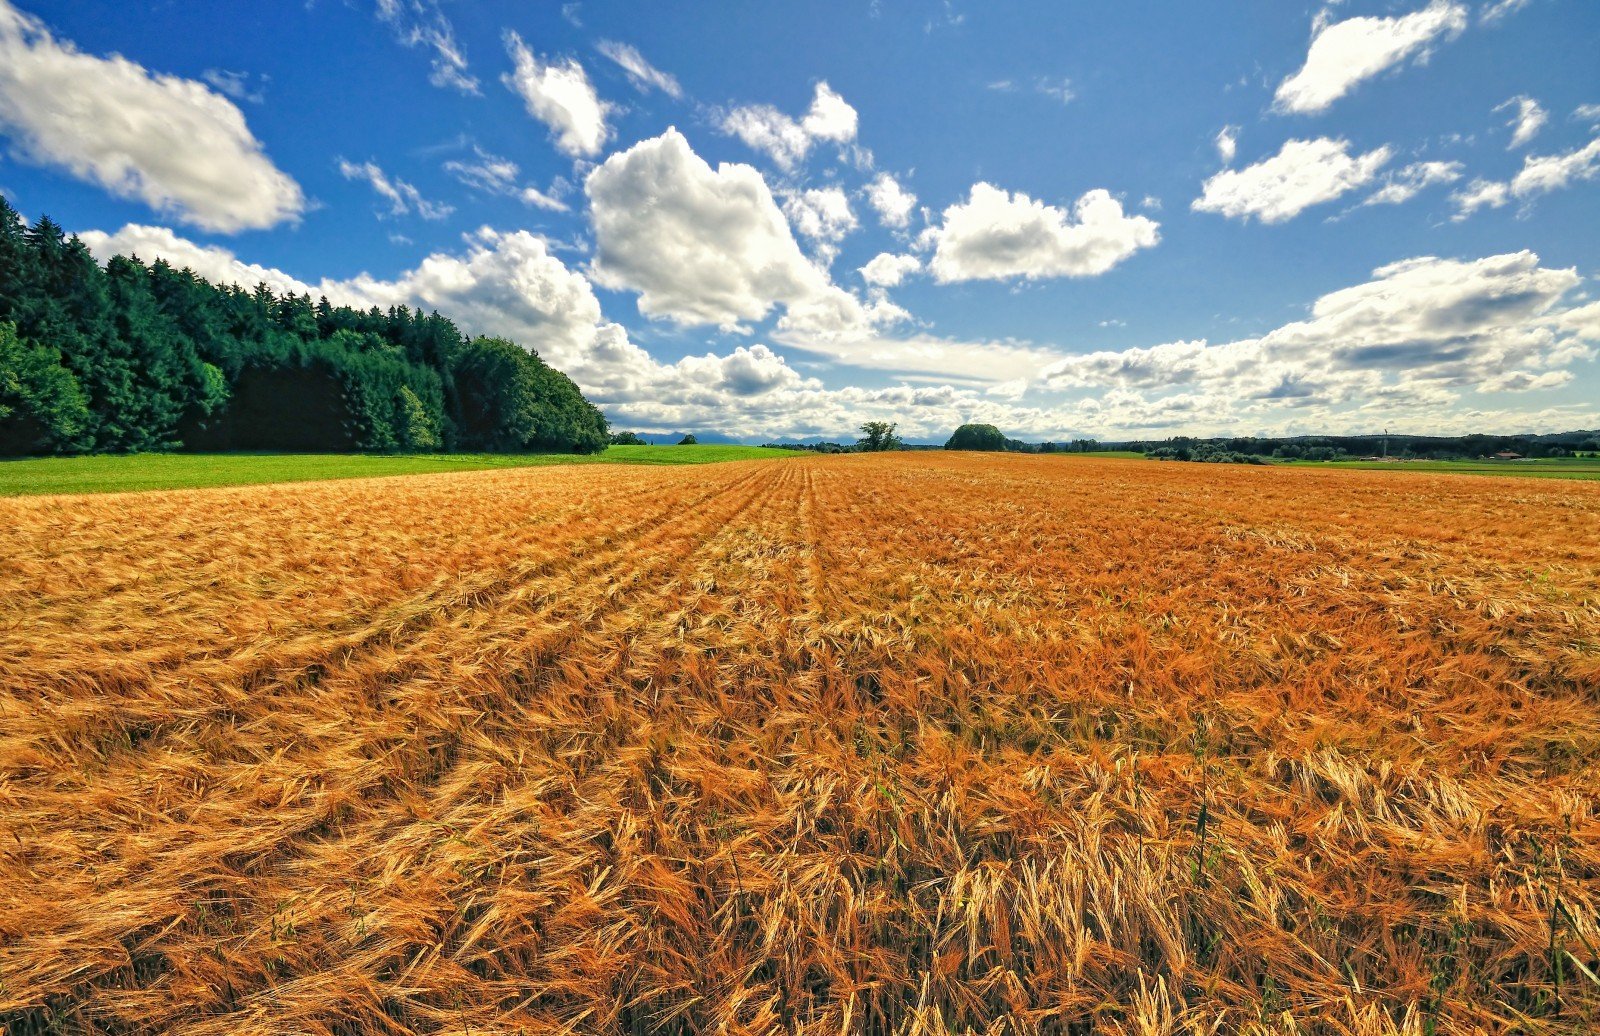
(895, 743)
(106, 473)
(1551, 467)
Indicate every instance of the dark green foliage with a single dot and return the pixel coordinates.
(42, 409)
(1375, 447)
(627, 439)
(132, 357)
(689, 440)
(1203, 453)
(512, 400)
(977, 437)
(878, 437)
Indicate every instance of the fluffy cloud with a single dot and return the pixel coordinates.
(705, 246)
(785, 140)
(892, 202)
(1406, 184)
(1420, 329)
(559, 94)
(887, 270)
(174, 144)
(1527, 119)
(1344, 54)
(1303, 173)
(402, 197)
(995, 235)
(214, 263)
(1540, 174)
(823, 215)
(1396, 350)
(643, 75)
(420, 23)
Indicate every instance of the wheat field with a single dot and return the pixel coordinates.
(899, 744)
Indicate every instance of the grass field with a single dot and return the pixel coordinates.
(896, 744)
(1546, 467)
(146, 471)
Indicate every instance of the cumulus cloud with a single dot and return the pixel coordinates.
(892, 202)
(1407, 183)
(1347, 53)
(1540, 174)
(171, 143)
(705, 246)
(886, 270)
(1398, 349)
(1527, 119)
(420, 23)
(403, 198)
(558, 93)
(1302, 174)
(996, 235)
(1421, 328)
(823, 215)
(785, 140)
(643, 75)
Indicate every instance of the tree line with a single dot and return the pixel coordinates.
(131, 357)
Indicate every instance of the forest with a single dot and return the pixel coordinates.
(133, 357)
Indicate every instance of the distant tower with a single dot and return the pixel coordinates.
(1386, 444)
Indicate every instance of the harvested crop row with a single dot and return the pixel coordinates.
(868, 744)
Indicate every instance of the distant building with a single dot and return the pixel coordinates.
(1507, 455)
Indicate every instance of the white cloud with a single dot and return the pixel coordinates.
(1587, 113)
(403, 198)
(1227, 144)
(1544, 173)
(1344, 54)
(1480, 194)
(559, 94)
(995, 235)
(549, 201)
(420, 23)
(485, 172)
(213, 262)
(1423, 328)
(492, 174)
(705, 246)
(823, 215)
(830, 118)
(1499, 9)
(1526, 121)
(891, 201)
(1540, 174)
(172, 143)
(785, 140)
(887, 270)
(1302, 174)
(643, 75)
(1407, 183)
(1397, 350)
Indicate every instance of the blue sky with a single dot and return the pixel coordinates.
(780, 220)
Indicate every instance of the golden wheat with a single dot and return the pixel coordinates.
(904, 744)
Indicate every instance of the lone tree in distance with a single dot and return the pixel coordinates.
(878, 436)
